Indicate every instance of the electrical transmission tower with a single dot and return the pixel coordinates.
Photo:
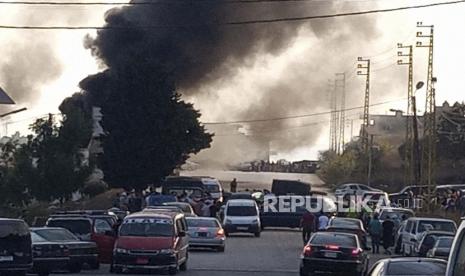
(409, 175)
(341, 84)
(429, 135)
(364, 67)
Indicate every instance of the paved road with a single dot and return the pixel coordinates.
(276, 252)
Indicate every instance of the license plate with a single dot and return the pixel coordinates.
(142, 261)
(6, 258)
(330, 254)
(242, 228)
(202, 234)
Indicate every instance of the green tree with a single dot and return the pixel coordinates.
(150, 129)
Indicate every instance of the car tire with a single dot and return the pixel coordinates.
(302, 272)
(221, 249)
(94, 265)
(183, 266)
(257, 234)
(75, 268)
(115, 270)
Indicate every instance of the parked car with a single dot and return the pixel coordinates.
(213, 187)
(290, 187)
(16, 246)
(242, 215)
(416, 226)
(404, 197)
(428, 240)
(88, 228)
(349, 225)
(333, 252)
(185, 207)
(48, 256)
(397, 215)
(152, 241)
(409, 266)
(353, 189)
(206, 233)
(441, 248)
(80, 252)
(456, 264)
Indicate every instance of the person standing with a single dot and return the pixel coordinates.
(388, 234)
(308, 226)
(375, 229)
(322, 222)
(233, 186)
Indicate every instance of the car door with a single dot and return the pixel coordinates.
(183, 239)
(456, 265)
(406, 236)
(105, 237)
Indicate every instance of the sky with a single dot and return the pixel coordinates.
(41, 68)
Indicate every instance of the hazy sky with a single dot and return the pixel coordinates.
(40, 68)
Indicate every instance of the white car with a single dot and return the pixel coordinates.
(213, 186)
(354, 189)
(456, 264)
(415, 227)
(242, 215)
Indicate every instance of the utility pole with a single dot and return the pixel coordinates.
(370, 160)
(429, 135)
(408, 152)
(332, 122)
(364, 66)
(341, 83)
(416, 144)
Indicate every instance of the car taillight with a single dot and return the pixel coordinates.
(307, 252)
(220, 233)
(332, 247)
(355, 252)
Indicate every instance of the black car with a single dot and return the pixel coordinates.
(441, 248)
(80, 252)
(48, 256)
(409, 266)
(349, 225)
(15, 247)
(331, 252)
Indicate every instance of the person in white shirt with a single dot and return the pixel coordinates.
(323, 221)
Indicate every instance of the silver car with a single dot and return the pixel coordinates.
(409, 266)
(205, 233)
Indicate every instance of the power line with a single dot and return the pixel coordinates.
(236, 23)
(295, 116)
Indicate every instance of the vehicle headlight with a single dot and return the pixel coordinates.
(121, 250)
(167, 251)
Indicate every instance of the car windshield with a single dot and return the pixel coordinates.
(334, 239)
(445, 242)
(242, 211)
(37, 238)
(56, 235)
(12, 229)
(429, 225)
(185, 208)
(212, 188)
(395, 214)
(147, 227)
(416, 268)
(210, 223)
(337, 222)
(76, 226)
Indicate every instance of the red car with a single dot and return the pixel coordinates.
(88, 228)
(152, 240)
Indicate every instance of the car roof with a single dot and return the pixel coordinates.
(411, 259)
(8, 219)
(241, 202)
(66, 217)
(435, 219)
(439, 232)
(174, 203)
(160, 214)
(201, 218)
(394, 209)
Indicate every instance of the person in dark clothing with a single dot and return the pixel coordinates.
(233, 186)
(308, 226)
(388, 234)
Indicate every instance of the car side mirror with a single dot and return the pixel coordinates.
(182, 234)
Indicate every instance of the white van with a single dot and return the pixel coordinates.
(213, 187)
(242, 215)
(456, 264)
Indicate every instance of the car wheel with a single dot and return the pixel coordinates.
(257, 234)
(302, 272)
(115, 270)
(220, 248)
(75, 268)
(183, 266)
